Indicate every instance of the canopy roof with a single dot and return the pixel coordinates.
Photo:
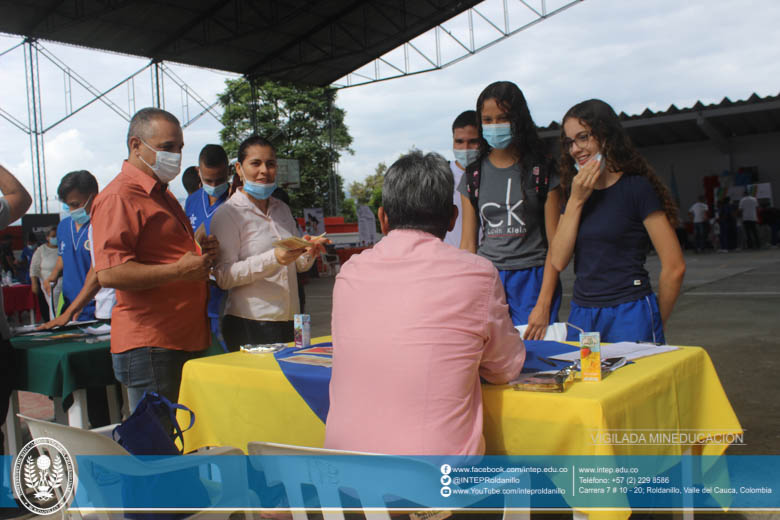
(715, 122)
(300, 41)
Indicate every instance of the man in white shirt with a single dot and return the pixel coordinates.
(698, 214)
(747, 208)
(465, 147)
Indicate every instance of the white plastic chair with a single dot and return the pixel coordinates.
(404, 478)
(85, 442)
(331, 264)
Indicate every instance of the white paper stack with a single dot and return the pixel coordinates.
(626, 349)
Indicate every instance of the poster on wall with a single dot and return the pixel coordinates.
(314, 221)
(760, 191)
(366, 225)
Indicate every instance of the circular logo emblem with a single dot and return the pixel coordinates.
(88, 245)
(43, 476)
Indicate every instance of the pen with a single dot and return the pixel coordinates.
(545, 360)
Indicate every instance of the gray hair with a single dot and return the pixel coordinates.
(141, 122)
(417, 193)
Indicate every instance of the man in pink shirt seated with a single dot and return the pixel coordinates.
(416, 322)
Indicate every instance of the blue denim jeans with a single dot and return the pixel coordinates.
(150, 369)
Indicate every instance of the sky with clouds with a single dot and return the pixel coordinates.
(634, 55)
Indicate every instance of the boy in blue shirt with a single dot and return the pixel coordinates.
(77, 190)
(201, 205)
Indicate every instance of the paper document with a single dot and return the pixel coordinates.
(626, 349)
(26, 329)
(555, 332)
(293, 243)
(309, 360)
(100, 330)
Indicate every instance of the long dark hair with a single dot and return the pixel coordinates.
(525, 140)
(617, 149)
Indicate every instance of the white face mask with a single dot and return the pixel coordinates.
(167, 165)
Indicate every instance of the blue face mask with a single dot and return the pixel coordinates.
(465, 157)
(215, 191)
(53, 241)
(259, 191)
(497, 136)
(79, 216)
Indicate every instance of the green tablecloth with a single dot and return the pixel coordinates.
(57, 367)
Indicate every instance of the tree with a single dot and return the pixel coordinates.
(362, 192)
(369, 191)
(300, 122)
(349, 210)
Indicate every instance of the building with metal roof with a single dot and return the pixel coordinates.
(685, 145)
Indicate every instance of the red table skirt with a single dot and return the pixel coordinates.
(18, 298)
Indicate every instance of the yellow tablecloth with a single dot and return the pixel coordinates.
(242, 397)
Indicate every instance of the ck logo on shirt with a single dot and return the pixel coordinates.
(500, 223)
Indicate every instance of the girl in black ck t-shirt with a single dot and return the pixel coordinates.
(616, 207)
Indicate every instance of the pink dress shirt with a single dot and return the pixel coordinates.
(416, 322)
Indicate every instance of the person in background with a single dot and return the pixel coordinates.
(191, 180)
(771, 216)
(699, 215)
(511, 193)
(465, 148)
(25, 260)
(260, 277)
(201, 205)
(616, 208)
(77, 191)
(41, 265)
(145, 249)
(13, 204)
(748, 206)
(411, 344)
(7, 258)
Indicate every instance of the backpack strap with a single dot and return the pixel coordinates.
(472, 181)
(472, 187)
(540, 177)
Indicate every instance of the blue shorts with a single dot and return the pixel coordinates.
(522, 287)
(639, 320)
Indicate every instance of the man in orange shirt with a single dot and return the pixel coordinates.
(145, 249)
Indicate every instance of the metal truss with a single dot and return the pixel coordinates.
(36, 127)
(464, 35)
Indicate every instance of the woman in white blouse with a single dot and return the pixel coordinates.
(41, 265)
(260, 279)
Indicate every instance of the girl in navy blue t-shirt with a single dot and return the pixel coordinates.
(616, 207)
(512, 192)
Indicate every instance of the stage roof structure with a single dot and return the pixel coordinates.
(299, 41)
(337, 43)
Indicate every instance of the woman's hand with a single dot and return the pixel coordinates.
(47, 285)
(583, 183)
(537, 323)
(287, 256)
(319, 245)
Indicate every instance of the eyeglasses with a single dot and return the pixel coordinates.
(581, 139)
